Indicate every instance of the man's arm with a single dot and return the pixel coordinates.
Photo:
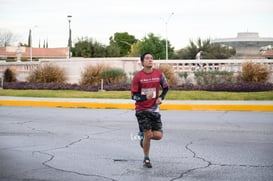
(164, 93)
(138, 97)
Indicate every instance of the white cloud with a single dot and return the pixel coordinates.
(101, 19)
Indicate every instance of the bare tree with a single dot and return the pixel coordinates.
(6, 38)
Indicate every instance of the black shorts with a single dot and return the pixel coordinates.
(148, 120)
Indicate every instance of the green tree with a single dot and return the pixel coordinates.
(23, 44)
(29, 38)
(123, 41)
(217, 51)
(155, 45)
(87, 47)
(210, 51)
(135, 49)
(112, 51)
(98, 50)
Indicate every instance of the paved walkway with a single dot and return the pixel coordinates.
(129, 104)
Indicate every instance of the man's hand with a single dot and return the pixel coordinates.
(158, 100)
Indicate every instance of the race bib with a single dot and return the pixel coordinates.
(145, 91)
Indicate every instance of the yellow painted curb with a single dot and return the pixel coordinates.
(195, 107)
(66, 104)
(217, 107)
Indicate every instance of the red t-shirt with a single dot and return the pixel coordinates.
(146, 82)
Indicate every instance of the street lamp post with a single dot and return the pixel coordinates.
(69, 17)
(166, 29)
(30, 45)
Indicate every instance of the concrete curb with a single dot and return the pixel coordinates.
(129, 104)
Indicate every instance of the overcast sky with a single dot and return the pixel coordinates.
(100, 19)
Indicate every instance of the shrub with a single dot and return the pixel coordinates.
(254, 72)
(184, 76)
(9, 75)
(213, 77)
(169, 73)
(47, 73)
(234, 87)
(92, 75)
(48, 86)
(187, 86)
(240, 87)
(113, 76)
(117, 87)
(230, 87)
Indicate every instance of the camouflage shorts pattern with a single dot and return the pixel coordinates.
(149, 120)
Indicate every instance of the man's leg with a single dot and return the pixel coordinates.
(141, 136)
(157, 135)
(145, 126)
(141, 123)
(148, 135)
(146, 142)
(157, 132)
(146, 148)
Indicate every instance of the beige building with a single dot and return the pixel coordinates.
(27, 53)
(247, 44)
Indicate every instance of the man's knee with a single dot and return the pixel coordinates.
(157, 135)
(148, 134)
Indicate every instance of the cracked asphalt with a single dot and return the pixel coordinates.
(73, 144)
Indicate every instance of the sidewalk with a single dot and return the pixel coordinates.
(129, 104)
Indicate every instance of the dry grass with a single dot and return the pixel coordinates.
(254, 72)
(47, 73)
(169, 73)
(92, 75)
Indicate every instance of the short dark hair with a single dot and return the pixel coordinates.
(143, 56)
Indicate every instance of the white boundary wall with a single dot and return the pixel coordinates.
(75, 66)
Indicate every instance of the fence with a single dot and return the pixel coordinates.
(75, 66)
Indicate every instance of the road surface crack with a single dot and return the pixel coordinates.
(208, 163)
(243, 165)
(51, 157)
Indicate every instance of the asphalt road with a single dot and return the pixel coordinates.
(55, 144)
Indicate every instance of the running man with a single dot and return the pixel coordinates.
(145, 91)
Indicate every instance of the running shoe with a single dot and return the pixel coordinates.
(147, 163)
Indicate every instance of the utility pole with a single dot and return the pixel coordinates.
(69, 17)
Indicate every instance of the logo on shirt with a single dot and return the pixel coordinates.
(156, 79)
